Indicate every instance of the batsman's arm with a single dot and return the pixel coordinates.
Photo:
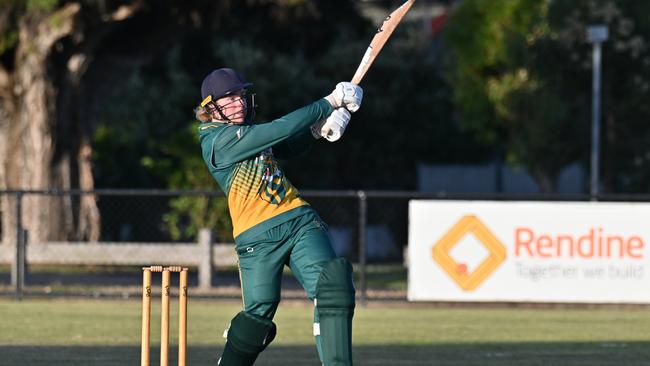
(234, 143)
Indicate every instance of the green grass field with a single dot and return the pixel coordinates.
(107, 332)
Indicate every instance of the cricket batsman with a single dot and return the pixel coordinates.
(272, 225)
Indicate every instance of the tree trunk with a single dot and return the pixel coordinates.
(46, 94)
(31, 143)
(38, 157)
(5, 112)
(546, 182)
(89, 218)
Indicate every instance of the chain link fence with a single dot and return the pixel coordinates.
(94, 242)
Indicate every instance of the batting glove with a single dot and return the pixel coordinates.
(347, 95)
(335, 124)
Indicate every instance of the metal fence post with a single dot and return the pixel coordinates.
(363, 212)
(18, 264)
(23, 239)
(206, 238)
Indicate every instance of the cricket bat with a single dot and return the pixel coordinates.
(379, 40)
(377, 43)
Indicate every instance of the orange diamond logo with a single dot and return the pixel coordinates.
(469, 224)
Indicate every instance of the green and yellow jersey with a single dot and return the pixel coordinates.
(242, 161)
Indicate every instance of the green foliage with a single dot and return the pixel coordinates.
(144, 126)
(145, 139)
(12, 11)
(625, 88)
(505, 89)
(40, 5)
(30, 5)
(521, 72)
(486, 40)
(8, 40)
(189, 214)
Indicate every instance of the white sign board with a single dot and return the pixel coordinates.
(589, 252)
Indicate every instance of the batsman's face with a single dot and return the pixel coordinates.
(233, 107)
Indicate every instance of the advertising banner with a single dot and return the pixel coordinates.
(591, 252)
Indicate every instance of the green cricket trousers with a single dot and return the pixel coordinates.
(302, 243)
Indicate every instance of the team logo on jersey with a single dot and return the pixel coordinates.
(273, 188)
(274, 185)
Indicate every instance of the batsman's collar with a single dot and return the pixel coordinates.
(208, 125)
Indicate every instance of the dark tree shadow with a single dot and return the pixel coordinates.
(508, 354)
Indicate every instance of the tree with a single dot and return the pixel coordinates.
(57, 60)
(36, 156)
(521, 72)
(503, 92)
(625, 89)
